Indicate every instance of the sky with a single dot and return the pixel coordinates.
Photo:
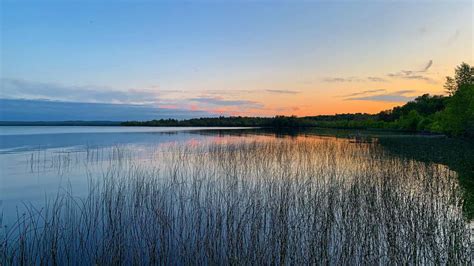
(256, 58)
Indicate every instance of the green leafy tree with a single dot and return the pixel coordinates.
(458, 117)
(410, 121)
(464, 75)
(425, 105)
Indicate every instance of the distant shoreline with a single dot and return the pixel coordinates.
(144, 124)
(60, 123)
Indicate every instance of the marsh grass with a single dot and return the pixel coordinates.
(250, 202)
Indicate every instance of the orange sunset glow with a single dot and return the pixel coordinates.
(249, 59)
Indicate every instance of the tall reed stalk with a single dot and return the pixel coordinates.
(252, 203)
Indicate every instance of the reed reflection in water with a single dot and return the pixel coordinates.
(245, 201)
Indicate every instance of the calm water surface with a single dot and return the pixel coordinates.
(37, 161)
(389, 180)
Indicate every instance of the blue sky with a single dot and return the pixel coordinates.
(232, 57)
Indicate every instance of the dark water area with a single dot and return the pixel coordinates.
(456, 153)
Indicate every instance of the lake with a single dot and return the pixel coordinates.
(100, 195)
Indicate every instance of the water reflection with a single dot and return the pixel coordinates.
(243, 196)
(50, 147)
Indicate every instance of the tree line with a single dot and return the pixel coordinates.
(451, 114)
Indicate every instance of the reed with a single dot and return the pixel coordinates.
(253, 203)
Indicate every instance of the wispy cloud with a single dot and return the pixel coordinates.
(18, 88)
(414, 74)
(417, 77)
(157, 97)
(397, 96)
(454, 37)
(227, 102)
(43, 110)
(362, 93)
(342, 79)
(402, 74)
(355, 79)
(376, 79)
(283, 91)
(228, 92)
(428, 65)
